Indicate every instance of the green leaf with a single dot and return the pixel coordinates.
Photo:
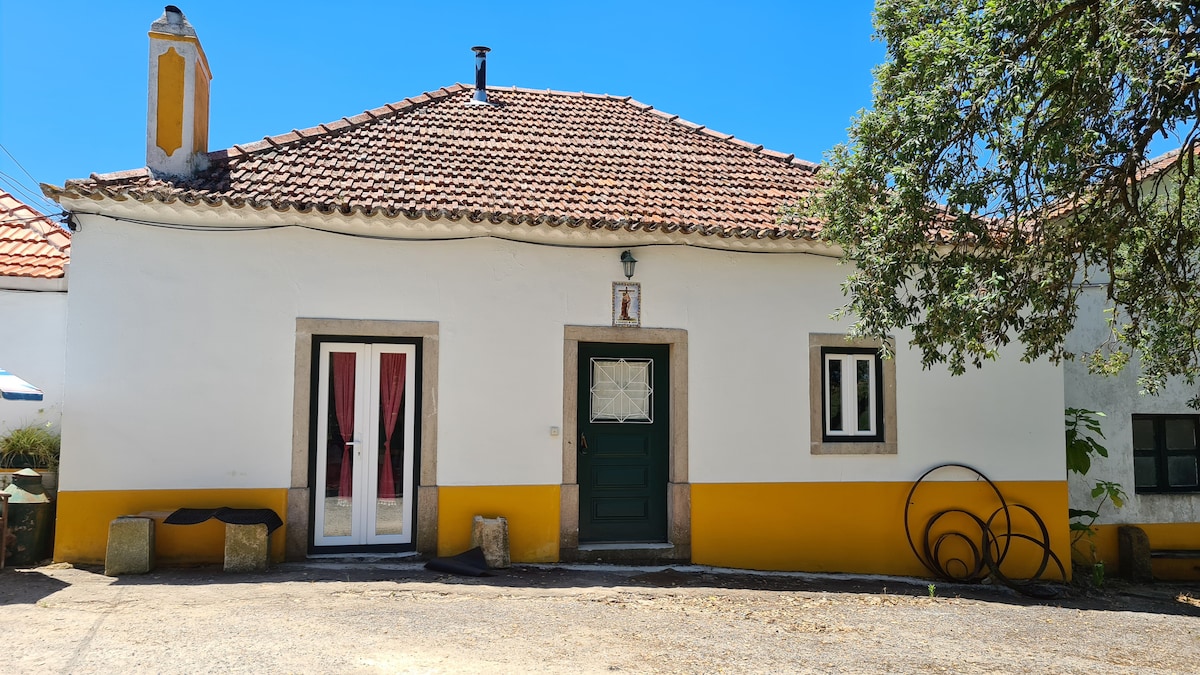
(1014, 131)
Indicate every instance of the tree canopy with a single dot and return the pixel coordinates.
(1004, 165)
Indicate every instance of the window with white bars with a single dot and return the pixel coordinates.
(621, 390)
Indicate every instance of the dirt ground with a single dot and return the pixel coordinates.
(398, 617)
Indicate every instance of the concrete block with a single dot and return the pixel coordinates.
(491, 535)
(1133, 547)
(130, 546)
(247, 548)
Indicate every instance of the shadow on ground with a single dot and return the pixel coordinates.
(26, 587)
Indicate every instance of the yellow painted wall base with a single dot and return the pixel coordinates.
(859, 527)
(81, 531)
(532, 512)
(1161, 535)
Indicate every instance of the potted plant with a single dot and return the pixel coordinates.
(35, 446)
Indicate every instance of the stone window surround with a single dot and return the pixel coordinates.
(816, 397)
(298, 513)
(679, 528)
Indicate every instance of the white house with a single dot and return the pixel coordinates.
(34, 256)
(1153, 442)
(385, 325)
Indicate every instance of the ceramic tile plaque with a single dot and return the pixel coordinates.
(627, 304)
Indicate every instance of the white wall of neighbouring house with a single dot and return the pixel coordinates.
(1119, 397)
(182, 371)
(33, 346)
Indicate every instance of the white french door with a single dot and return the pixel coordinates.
(365, 428)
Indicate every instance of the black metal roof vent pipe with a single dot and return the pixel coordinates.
(480, 95)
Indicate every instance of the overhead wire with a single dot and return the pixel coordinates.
(26, 195)
(26, 172)
(33, 219)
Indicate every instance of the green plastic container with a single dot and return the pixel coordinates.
(30, 519)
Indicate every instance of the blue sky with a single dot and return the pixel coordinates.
(73, 74)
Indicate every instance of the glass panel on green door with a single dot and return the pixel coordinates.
(621, 390)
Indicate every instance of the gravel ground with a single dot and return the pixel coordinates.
(398, 617)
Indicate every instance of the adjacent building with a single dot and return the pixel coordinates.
(34, 256)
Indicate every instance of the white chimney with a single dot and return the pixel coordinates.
(177, 121)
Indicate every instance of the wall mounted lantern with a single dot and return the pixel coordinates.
(628, 261)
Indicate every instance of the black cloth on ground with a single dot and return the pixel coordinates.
(468, 563)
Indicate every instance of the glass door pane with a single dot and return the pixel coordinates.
(389, 448)
(341, 421)
(339, 443)
(389, 517)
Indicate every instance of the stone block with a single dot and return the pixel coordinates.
(491, 535)
(1134, 549)
(130, 547)
(247, 548)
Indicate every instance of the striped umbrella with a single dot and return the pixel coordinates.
(14, 388)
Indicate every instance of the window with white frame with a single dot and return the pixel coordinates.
(851, 394)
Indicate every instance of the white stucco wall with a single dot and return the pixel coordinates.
(183, 377)
(33, 333)
(1119, 398)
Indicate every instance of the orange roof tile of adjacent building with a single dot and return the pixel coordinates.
(31, 245)
(529, 158)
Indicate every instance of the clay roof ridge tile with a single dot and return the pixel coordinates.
(811, 166)
(745, 144)
(709, 131)
(379, 111)
(120, 175)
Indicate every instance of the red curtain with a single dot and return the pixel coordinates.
(343, 402)
(392, 371)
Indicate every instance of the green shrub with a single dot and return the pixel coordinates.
(32, 445)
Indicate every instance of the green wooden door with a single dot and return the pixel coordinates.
(623, 445)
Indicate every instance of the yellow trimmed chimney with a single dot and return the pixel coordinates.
(177, 122)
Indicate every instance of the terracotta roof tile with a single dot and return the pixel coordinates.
(31, 245)
(532, 157)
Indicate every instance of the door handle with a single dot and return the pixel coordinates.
(357, 446)
(583, 444)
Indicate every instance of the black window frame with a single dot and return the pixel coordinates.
(1161, 454)
(880, 414)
